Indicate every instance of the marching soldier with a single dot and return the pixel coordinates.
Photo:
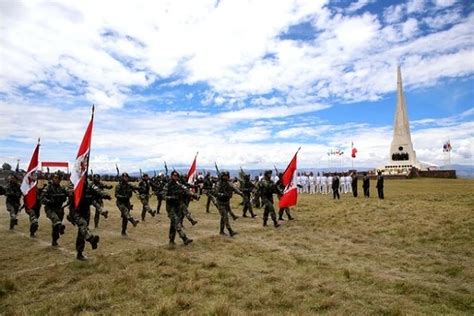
(223, 191)
(207, 189)
(144, 193)
(157, 185)
(123, 193)
(354, 184)
(246, 186)
(53, 198)
(80, 217)
(13, 194)
(267, 188)
(174, 193)
(98, 203)
(34, 213)
(283, 210)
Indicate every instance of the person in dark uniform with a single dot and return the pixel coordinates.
(123, 193)
(380, 185)
(13, 194)
(246, 186)
(354, 183)
(335, 187)
(53, 198)
(366, 185)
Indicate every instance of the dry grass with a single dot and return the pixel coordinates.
(409, 254)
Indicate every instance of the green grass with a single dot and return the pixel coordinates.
(409, 254)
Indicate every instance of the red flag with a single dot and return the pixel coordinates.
(79, 172)
(354, 152)
(290, 194)
(192, 171)
(28, 185)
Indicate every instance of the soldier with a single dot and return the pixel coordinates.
(283, 210)
(256, 200)
(123, 193)
(53, 198)
(207, 190)
(186, 201)
(335, 187)
(223, 192)
(246, 186)
(380, 184)
(366, 185)
(13, 194)
(144, 194)
(354, 184)
(34, 213)
(157, 185)
(98, 203)
(173, 193)
(267, 189)
(80, 217)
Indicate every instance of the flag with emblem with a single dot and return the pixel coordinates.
(29, 183)
(79, 172)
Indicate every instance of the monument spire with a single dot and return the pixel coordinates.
(402, 156)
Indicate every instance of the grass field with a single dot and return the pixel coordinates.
(411, 253)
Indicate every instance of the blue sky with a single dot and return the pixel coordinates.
(245, 83)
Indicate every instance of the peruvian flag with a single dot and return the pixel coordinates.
(354, 151)
(79, 172)
(28, 185)
(290, 194)
(192, 171)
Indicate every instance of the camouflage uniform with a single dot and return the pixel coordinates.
(246, 186)
(207, 190)
(283, 210)
(123, 193)
(185, 207)
(81, 216)
(224, 191)
(34, 213)
(157, 185)
(13, 194)
(174, 194)
(266, 190)
(144, 193)
(53, 198)
(98, 202)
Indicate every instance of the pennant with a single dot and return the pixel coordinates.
(192, 170)
(29, 183)
(290, 194)
(79, 172)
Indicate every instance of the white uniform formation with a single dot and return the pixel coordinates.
(321, 183)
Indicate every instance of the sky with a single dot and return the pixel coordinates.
(244, 83)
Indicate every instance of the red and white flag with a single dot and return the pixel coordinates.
(353, 150)
(79, 172)
(192, 170)
(29, 184)
(290, 194)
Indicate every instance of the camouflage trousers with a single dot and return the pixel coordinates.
(268, 210)
(99, 210)
(185, 213)
(83, 232)
(284, 210)
(175, 215)
(125, 213)
(56, 216)
(224, 210)
(247, 207)
(34, 220)
(13, 209)
(145, 199)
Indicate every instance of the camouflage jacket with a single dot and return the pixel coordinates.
(123, 192)
(54, 196)
(224, 191)
(13, 193)
(176, 193)
(246, 186)
(144, 187)
(266, 190)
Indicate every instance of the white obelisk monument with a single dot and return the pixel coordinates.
(402, 156)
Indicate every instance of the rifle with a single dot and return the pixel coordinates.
(217, 169)
(118, 172)
(141, 173)
(276, 170)
(166, 169)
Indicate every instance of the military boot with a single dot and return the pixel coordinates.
(94, 240)
(105, 214)
(12, 223)
(275, 224)
(193, 222)
(62, 228)
(233, 233)
(135, 222)
(33, 229)
(187, 241)
(81, 257)
(264, 223)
